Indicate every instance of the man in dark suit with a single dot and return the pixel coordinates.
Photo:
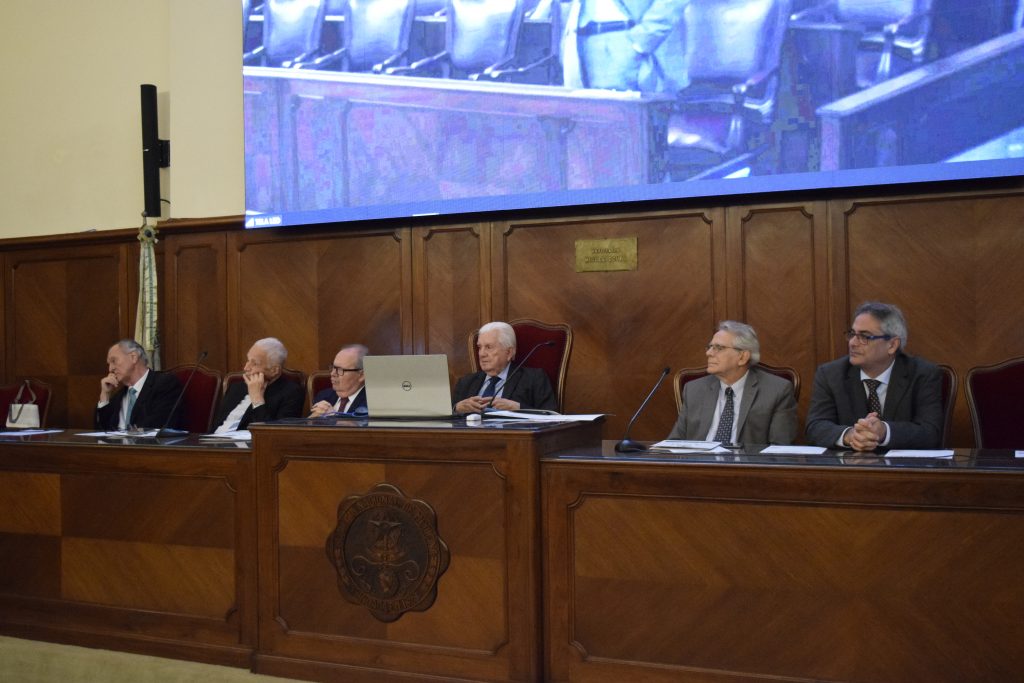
(877, 396)
(132, 395)
(264, 396)
(347, 393)
(737, 402)
(497, 385)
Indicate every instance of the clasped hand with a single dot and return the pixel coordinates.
(476, 404)
(867, 434)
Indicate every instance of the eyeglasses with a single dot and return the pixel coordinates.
(864, 337)
(335, 370)
(718, 348)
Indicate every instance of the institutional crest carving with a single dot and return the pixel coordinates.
(387, 552)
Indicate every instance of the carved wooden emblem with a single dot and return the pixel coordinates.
(387, 552)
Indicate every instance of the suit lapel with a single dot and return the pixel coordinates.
(856, 393)
(899, 382)
(749, 394)
(511, 383)
(707, 407)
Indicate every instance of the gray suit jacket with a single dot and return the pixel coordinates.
(767, 412)
(913, 403)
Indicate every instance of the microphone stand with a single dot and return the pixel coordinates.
(627, 445)
(166, 430)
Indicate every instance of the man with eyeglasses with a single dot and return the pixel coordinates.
(347, 393)
(877, 396)
(737, 402)
(263, 396)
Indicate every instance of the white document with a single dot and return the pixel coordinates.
(541, 417)
(237, 435)
(794, 450)
(919, 454)
(30, 432)
(688, 445)
(1019, 454)
(120, 432)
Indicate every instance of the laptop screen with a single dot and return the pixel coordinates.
(408, 386)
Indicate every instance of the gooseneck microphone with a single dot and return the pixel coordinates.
(519, 367)
(166, 430)
(627, 445)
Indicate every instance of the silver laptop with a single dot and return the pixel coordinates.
(407, 386)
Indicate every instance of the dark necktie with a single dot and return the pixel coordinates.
(874, 404)
(724, 433)
(492, 382)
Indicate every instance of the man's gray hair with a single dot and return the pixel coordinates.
(132, 346)
(506, 335)
(277, 354)
(889, 316)
(361, 352)
(744, 338)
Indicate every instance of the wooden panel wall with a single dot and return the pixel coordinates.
(794, 269)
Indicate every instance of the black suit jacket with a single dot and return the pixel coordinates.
(913, 403)
(529, 387)
(282, 399)
(153, 405)
(331, 396)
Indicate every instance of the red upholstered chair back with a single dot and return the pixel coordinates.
(949, 383)
(553, 360)
(43, 392)
(689, 374)
(317, 382)
(201, 396)
(995, 394)
(287, 374)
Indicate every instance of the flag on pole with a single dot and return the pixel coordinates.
(146, 323)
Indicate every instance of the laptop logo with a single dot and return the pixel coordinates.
(406, 385)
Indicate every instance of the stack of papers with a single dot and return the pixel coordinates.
(919, 454)
(794, 450)
(237, 435)
(541, 417)
(683, 446)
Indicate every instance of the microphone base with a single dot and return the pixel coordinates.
(629, 446)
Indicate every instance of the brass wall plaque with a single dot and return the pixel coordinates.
(387, 553)
(604, 255)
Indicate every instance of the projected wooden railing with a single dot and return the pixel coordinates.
(317, 140)
(919, 117)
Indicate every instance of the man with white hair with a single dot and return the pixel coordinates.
(876, 396)
(132, 395)
(737, 402)
(264, 396)
(497, 385)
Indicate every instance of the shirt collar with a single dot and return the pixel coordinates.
(883, 377)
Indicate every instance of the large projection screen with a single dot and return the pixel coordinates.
(370, 109)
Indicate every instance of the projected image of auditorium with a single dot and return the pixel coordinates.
(370, 109)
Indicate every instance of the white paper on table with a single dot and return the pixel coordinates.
(919, 454)
(542, 417)
(1019, 454)
(237, 435)
(690, 446)
(120, 432)
(794, 450)
(30, 432)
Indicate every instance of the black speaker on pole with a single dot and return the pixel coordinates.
(156, 153)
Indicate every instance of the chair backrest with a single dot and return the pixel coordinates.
(42, 390)
(317, 382)
(291, 28)
(995, 395)
(376, 30)
(689, 374)
(730, 40)
(949, 383)
(553, 360)
(482, 33)
(201, 396)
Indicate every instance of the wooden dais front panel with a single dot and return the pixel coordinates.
(137, 548)
(697, 572)
(482, 485)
